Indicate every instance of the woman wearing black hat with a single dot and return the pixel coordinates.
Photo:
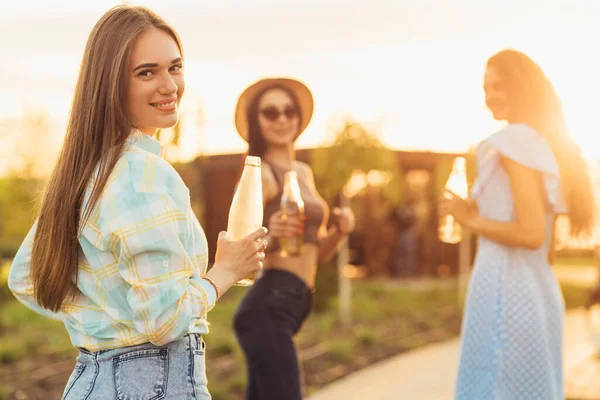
(270, 115)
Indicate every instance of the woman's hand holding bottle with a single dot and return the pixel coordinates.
(236, 260)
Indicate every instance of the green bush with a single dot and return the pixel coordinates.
(340, 351)
(5, 293)
(366, 337)
(3, 393)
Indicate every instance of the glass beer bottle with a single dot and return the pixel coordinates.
(450, 231)
(246, 212)
(291, 203)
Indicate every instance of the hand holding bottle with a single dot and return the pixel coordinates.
(292, 215)
(463, 210)
(237, 259)
(284, 224)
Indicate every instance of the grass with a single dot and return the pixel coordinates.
(574, 295)
(582, 260)
(387, 318)
(340, 351)
(4, 269)
(29, 334)
(366, 337)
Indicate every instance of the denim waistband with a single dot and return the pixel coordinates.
(194, 338)
(282, 278)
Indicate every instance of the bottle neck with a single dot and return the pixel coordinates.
(291, 189)
(290, 181)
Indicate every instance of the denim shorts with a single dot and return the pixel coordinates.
(143, 372)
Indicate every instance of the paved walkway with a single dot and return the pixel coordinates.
(429, 373)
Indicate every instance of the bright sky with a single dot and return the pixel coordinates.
(412, 70)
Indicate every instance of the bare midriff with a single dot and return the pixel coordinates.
(304, 266)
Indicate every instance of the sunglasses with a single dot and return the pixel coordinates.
(273, 113)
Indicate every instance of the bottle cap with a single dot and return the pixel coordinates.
(253, 160)
(459, 162)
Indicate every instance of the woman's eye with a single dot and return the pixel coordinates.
(176, 67)
(145, 73)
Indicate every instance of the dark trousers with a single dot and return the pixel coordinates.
(268, 317)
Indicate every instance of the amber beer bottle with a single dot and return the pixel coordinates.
(450, 231)
(291, 203)
(246, 212)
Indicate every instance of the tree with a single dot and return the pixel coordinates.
(30, 160)
(354, 151)
(32, 144)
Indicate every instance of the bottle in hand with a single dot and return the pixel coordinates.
(246, 212)
(450, 231)
(291, 205)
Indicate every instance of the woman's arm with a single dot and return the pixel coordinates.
(551, 251)
(528, 230)
(330, 240)
(329, 244)
(19, 279)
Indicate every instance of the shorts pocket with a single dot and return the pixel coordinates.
(141, 375)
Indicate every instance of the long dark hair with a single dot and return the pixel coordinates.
(533, 101)
(256, 142)
(96, 134)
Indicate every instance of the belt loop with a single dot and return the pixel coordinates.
(196, 337)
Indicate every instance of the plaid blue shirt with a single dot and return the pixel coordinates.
(141, 259)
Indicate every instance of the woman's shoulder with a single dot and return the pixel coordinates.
(141, 173)
(149, 172)
(303, 168)
(516, 135)
(521, 144)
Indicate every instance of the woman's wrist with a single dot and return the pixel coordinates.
(213, 284)
(472, 223)
(339, 233)
(222, 278)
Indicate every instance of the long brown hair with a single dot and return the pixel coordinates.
(533, 101)
(95, 138)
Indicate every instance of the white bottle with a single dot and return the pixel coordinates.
(450, 231)
(246, 212)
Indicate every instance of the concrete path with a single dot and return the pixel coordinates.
(429, 373)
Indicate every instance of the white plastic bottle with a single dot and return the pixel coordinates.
(246, 212)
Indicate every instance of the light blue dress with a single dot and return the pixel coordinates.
(512, 330)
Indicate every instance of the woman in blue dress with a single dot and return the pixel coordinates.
(528, 173)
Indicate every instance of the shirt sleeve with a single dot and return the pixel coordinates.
(527, 147)
(19, 278)
(166, 294)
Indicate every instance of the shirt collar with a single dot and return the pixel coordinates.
(142, 141)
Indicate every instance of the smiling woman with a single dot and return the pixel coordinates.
(117, 253)
(155, 86)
